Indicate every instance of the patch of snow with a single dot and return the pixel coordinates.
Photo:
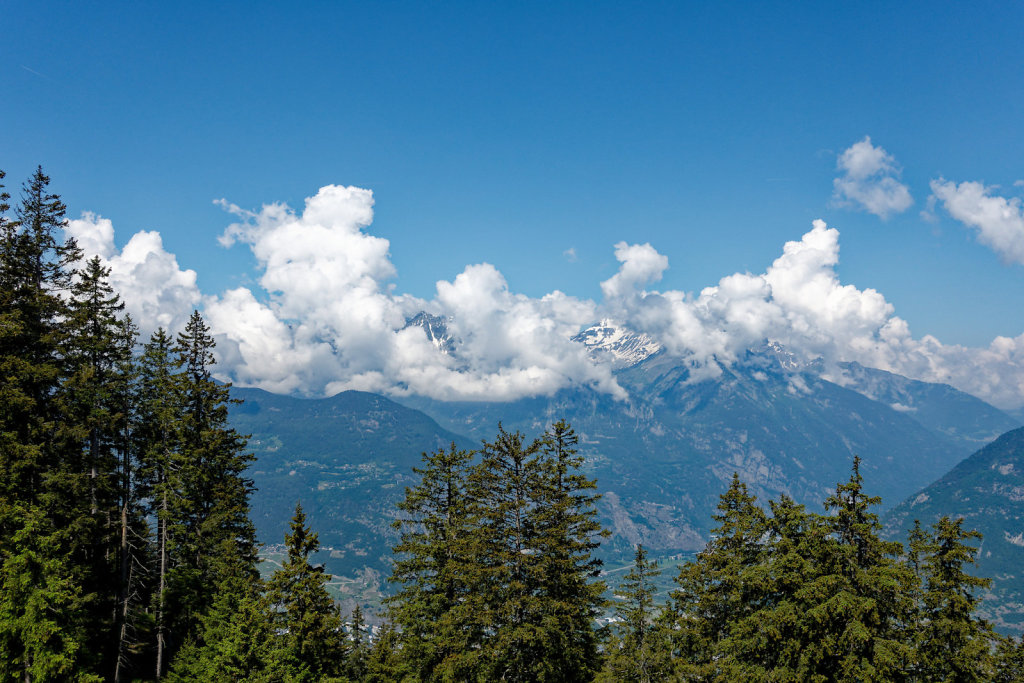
(609, 342)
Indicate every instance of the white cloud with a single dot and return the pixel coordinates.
(326, 316)
(799, 302)
(155, 290)
(333, 321)
(869, 181)
(999, 221)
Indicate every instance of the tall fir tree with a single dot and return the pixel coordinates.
(637, 651)
(859, 610)
(211, 538)
(954, 645)
(156, 443)
(313, 641)
(504, 589)
(570, 593)
(712, 591)
(92, 401)
(439, 631)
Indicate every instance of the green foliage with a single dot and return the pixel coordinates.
(439, 631)
(953, 645)
(41, 632)
(313, 641)
(638, 650)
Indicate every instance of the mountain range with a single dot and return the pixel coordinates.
(661, 457)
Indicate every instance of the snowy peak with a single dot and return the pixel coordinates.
(608, 342)
(436, 329)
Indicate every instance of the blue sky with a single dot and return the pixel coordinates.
(510, 133)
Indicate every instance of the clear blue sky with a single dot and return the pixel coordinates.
(510, 132)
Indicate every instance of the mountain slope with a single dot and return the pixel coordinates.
(347, 458)
(663, 457)
(987, 490)
(960, 416)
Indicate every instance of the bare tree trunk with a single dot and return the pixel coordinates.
(160, 627)
(125, 593)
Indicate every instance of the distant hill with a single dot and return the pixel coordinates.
(987, 490)
(348, 459)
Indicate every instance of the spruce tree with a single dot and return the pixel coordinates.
(313, 639)
(211, 538)
(439, 630)
(637, 652)
(954, 644)
(564, 516)
(156, 443)
(859, 609)
(504, 590)
(713, 592)
(769, 640)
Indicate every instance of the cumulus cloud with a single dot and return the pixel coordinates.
(998, 220)
(800, 303)
(327, 317)
(154, 288)
(869, 180)
(332, 320)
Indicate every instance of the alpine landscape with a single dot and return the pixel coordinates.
(530, 342)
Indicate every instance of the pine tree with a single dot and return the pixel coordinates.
(313, 640)
(638, 652)
(954, 644)
(433, 608)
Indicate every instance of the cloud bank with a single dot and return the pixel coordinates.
(869, 181)
(326, 316)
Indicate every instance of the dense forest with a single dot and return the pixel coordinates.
(127, 553)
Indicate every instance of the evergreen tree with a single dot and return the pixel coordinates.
(954, 644)
(97, 365)
(440, 633)
(35, 271)
(313, 640)
(210, 536)
(156, 442)
(236, 642)
(768, 642)
(637, 652)
(42, 637)
(359, 651)
(1009, 664)
(564, 516)
(712, 591)
(505, 585)
(859, 611)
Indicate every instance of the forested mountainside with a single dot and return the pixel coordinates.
(987, 491)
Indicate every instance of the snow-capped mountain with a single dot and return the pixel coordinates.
(612, 343)
(436, 329)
